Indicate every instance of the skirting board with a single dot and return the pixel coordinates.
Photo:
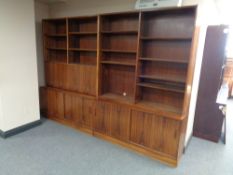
(19, 129)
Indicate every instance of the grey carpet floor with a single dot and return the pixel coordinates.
(53, 149)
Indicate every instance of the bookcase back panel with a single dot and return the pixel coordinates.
(118, 80)
(120, 42)
(165, 71)
(53, 42)
(120, 22)
(82, 57)
(55, 27)
(168, 24)
(83, 25)
(177, 50)
(57, 56)
(86, 42)
(163, 97)
(119, 57)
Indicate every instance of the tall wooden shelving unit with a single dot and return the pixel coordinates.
(125, 77)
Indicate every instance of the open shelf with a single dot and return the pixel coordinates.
(170, 78)
(119, 63)
(167, 38)
(120, 22)
(161, 87)
(82, 57)
(82, 50)
(158, 106)
(56, 48)
(118, 79)
(83, 25)
(54, 26)
(55, 35)
(165, 60)
(117, 98)
(56, 55)
(119, 51)
(176, 24)
(121, 32)
(83, 33)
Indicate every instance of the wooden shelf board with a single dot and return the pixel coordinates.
(55, 35)
(54, 48)
(167, 38)
(122, 32)
(161, 87)
(164, 60)
(117, 98)
(82, 33)
(159, 106)
(170, 78)
(119, 51)
(118, 63)
(82, 50)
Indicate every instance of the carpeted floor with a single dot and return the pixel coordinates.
(53, 149)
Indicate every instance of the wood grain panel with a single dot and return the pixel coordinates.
(55, 102)
(170, 137)
(120, 122)
(102, 118)
(73, 108)
(89, 108)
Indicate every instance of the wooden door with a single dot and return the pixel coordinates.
(170, 136)
(89, 107)
(55, 104)
(141, 128)
(155, 132)
(73, 109)
(102, 118)
(120, 119)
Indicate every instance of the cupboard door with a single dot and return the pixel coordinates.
(89, 107)
(155, 132)
(73, 108)
(141, 126)
(55, 102)
(102, 118)
(120, 118)
(171, 135)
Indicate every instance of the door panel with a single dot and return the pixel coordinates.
(120, 118)
(155, 132)
(73, 108)
(89, 107)
(102, 118)
(55, 102)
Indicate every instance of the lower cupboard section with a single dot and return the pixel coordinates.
(148, 133)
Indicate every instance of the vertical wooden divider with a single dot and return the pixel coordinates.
(138, 64)
(67, 39)
(98, 73)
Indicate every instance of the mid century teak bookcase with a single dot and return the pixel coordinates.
(124, 77)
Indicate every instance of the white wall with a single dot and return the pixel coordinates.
(87, 7)
(41, 12)
(18, 64)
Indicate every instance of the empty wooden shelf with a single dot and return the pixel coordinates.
(123, 77)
